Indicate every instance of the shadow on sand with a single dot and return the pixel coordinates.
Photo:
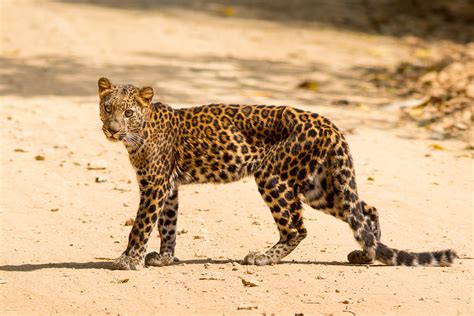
(108, 265)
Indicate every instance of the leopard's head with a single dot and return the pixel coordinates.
(123, 111)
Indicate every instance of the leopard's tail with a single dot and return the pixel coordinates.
(395, 257)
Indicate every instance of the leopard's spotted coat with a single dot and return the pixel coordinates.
(295, 156)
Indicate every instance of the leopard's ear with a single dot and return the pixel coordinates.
(146, 94)
(104, 86)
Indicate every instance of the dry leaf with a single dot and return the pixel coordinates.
(211, 279)
(341, 102)
(423, 53)
(363, 107)
(250, 282)
(39, 157)
(309, 85)
(228, 11)
(97, 165)
(96, 168)
(100, 179)
(247, 307)
(129, 222)
(437, 147)
(121, 189)
(119, 281)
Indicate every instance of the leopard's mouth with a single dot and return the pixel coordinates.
(113, 137)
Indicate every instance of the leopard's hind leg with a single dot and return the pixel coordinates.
(332, 190)
(372, 217)
(282, 199)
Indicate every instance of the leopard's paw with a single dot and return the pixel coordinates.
(159, 260)
(257, 258)
(359, 257)
(125, 262)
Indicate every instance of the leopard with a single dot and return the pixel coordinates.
(296, 157)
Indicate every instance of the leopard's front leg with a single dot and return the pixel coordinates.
(167, 229)
(153, 194)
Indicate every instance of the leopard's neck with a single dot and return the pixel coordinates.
(158, 135)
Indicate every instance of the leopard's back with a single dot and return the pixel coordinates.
(223, 143)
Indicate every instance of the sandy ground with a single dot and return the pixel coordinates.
(59, 227)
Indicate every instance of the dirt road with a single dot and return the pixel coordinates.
(66, 192)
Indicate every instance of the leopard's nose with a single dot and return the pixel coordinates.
(113, 127)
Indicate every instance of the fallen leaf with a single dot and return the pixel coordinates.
(437, 147)
(423, 53)
(341, 102)
(103, 258)
(363, 107)
(20, 150)
(100, 179)
(129, 222)
(309, 85)
(96, 168)
(211, 279)
(462, 126)
(121, 189)
(227, 11)
(349, 131)
(97, 165)
(54, 209)
(369, 178)
(250, 282)
(247, 307)
(119, 281)
(39, 157)
(413, 103)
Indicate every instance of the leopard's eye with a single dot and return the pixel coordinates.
(108, 108)
(128, 113)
